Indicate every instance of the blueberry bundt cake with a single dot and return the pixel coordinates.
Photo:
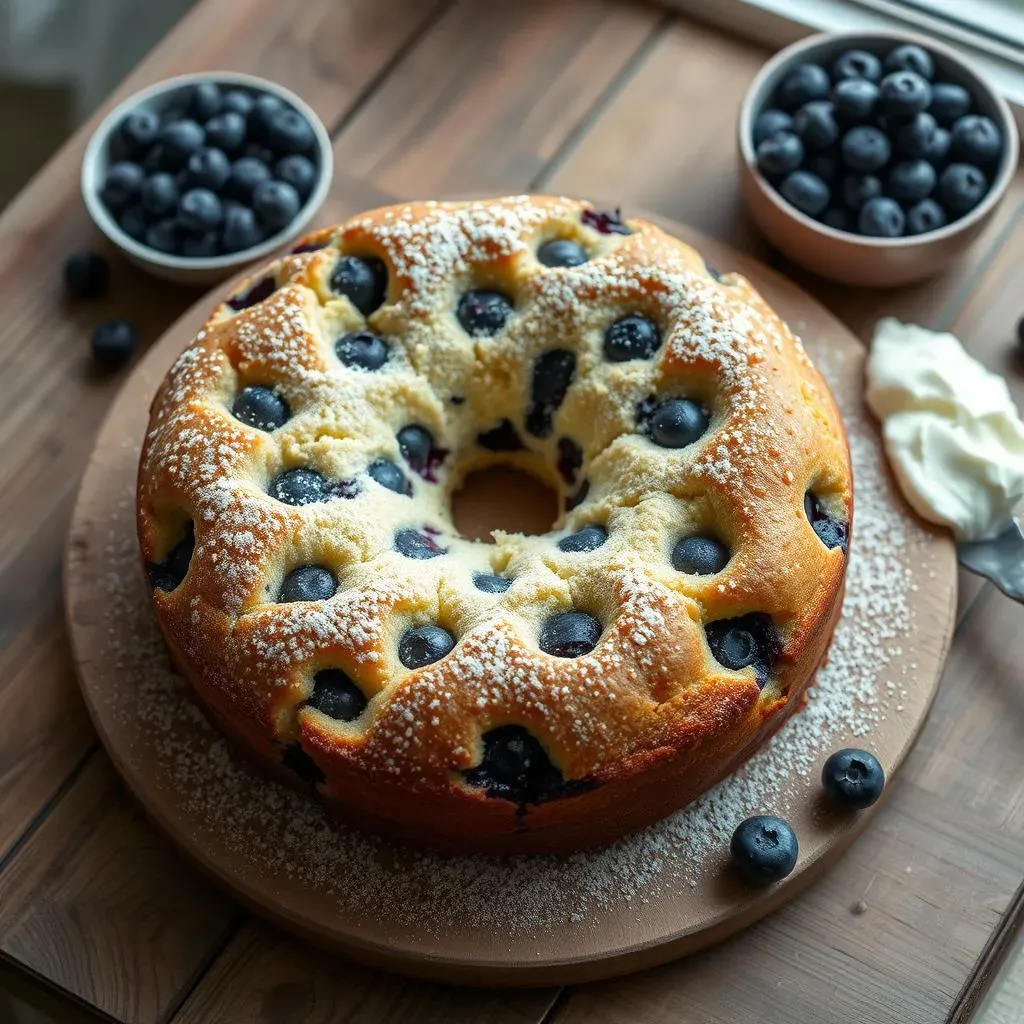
(535, 693)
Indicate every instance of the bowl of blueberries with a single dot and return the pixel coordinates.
(197, 176)
(873, 159)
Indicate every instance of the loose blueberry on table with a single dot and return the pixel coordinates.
(173, 173)
(86, 275)
(764, 849)
(853, 778)
(113, 343)
(878, 147)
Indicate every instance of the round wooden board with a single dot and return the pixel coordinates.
(654, 897)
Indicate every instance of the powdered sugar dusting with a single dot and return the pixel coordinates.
(286, 839)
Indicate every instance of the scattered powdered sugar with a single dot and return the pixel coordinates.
(285, 838)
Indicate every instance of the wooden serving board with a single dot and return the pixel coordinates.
(532, 921)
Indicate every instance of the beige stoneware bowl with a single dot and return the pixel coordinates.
(185, 269)
(840, 255)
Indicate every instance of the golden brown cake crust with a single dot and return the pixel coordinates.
(649, 718)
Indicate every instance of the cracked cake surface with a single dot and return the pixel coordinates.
(538, 692)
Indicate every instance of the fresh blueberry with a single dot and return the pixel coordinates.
(903, 94)
(748, 641)
(300, 487)
(588, 539)
(362, 350)
(768, 123)
(164, 235)
(806, 191)
(910, 181)
(937, 153)
(86, 274)
(138, 131)
(307, 583)
(122, 185)
(246, 174)
(168, 574)
(853, 778)
(200, 244)
(299, 172)
(297, 760)
(815, 124)
(854, 100)
(632, 337)
(569, 634)
(241, 229)
(134, 222)
(113, 343)
(912, 138)
(961, 188)
(569, 460)
(206, 101)
(363, 281)
(502, 437)
(856, 65)
(824, 165)
(414, 544)
(226, 131)
(262, 289)
(804, 83)
(335, 695)
(699, 556)
(910, 57)
(265, 108)
(239, 102)
(830, 531)
(155, 159)
(289, 132)
(865, 149)
(276, 204)
(675, 422)
(779, 154)
(483, 313)
(837, 218)
(949, 103)
(388, 475)
(180, 139)
(159, 194)
(490, 583)
(925, 216)
(857, 189)
(553, 372)
(208, 168)
(975, 139)
(199, 209)
(764, 849)
(881, 217)
(423, 645)
(417, 447)
(261, 408)
(562, 252)
(514, 766)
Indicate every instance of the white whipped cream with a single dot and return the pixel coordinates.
(953, 436)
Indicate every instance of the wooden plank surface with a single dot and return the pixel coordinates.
(595, 98)
(265, 976)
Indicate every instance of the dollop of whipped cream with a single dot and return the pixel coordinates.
(952, 433)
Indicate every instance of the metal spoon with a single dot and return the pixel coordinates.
(1001, 560)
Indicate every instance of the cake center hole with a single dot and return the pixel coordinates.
(503, 498)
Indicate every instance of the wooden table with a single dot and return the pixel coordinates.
(589, 97)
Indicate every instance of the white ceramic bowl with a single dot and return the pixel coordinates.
(842, 255)
(182, 269)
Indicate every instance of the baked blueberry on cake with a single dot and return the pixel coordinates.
(535, 693)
